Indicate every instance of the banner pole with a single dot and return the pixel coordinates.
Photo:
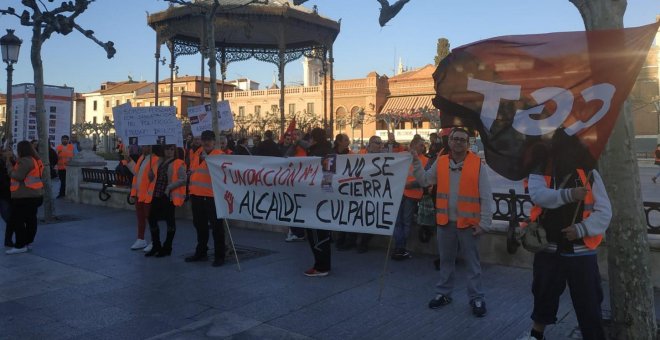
(382, 275)
(231, 240)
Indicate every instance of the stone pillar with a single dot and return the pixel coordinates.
(85, 158)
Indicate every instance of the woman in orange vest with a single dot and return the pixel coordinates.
(169, 192)
(142, 189)
(27, 193)
(411, 195)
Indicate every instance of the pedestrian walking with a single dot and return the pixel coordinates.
(144, 172)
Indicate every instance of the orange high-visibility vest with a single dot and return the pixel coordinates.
(200, 179)
(468, 205)
(591, 242)
(33, 178)
(178, 195)
(300, 152)
(143, 188)
(415, 193)
(64, 155)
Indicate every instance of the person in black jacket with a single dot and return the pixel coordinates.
(242, 147)
(5, 198)
(268, 147)
(319, 240)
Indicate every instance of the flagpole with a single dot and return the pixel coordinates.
(231, 240)
(382, 275)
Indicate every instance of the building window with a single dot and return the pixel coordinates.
(257, 109)
(292, 109)
(417, 124)
(95, 105)
(139, 104)
(94, 120)
(128, 101)
(107, 103)
(241, 111)
(160, 103)
(116, 102)
(310, 107)
(274, 109)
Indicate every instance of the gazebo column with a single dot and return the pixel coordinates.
(223, 71)
(157, 55)
(172, 62)
(281, 63)
(332, 95)
(202, 50)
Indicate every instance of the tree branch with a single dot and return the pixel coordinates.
(109, 46)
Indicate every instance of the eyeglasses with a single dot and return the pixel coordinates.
(459, 140)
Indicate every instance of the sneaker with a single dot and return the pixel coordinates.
(139, 244)
(148, 247)
(653, 179)
(197, 258)
(401, 254)
(439, 301)
(478, 307)
(313, 272)
(293, 238)
(16, 251)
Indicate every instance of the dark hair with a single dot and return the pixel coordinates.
(179, 154)
(65, 136)
(318, 135)
(242, 140)
(25, 149)
(157, 150)
(268, 134)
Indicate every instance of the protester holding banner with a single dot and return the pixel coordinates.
(169, 192)
(203, 204)
(463, 210)
(345, 240)
(411, 196)
(319, 239)
(296, 148)
(657, 162)
(145, 171)
(27, 193)
(64, 154)
(223, 145)
(573, 208)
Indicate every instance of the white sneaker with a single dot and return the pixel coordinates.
(148, 247)
(16, 251)
(139, 244)
(293, 238)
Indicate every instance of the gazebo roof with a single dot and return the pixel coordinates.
(244, 25)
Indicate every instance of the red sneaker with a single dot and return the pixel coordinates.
(313, 272)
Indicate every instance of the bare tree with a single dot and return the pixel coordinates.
(44, 23)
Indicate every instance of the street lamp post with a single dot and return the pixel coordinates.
(10, 45)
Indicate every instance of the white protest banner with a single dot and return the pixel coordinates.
(118, 113)
(152, 125)
(354, 193)
(200, 118)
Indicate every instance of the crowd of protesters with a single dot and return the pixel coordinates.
(448, 172)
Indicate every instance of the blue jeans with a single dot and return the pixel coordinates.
(404, 220)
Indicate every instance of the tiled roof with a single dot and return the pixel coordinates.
(425, 72)
(126, 87)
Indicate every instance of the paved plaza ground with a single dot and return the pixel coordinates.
(81, 281)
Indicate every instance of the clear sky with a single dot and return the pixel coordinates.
(362, 46)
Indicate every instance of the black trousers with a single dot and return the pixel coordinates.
(23, 219)
(205, 218)
(161, 209)
(319, 241)
(62, 175)
(552, 272)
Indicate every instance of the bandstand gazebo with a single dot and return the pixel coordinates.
(273, 31)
